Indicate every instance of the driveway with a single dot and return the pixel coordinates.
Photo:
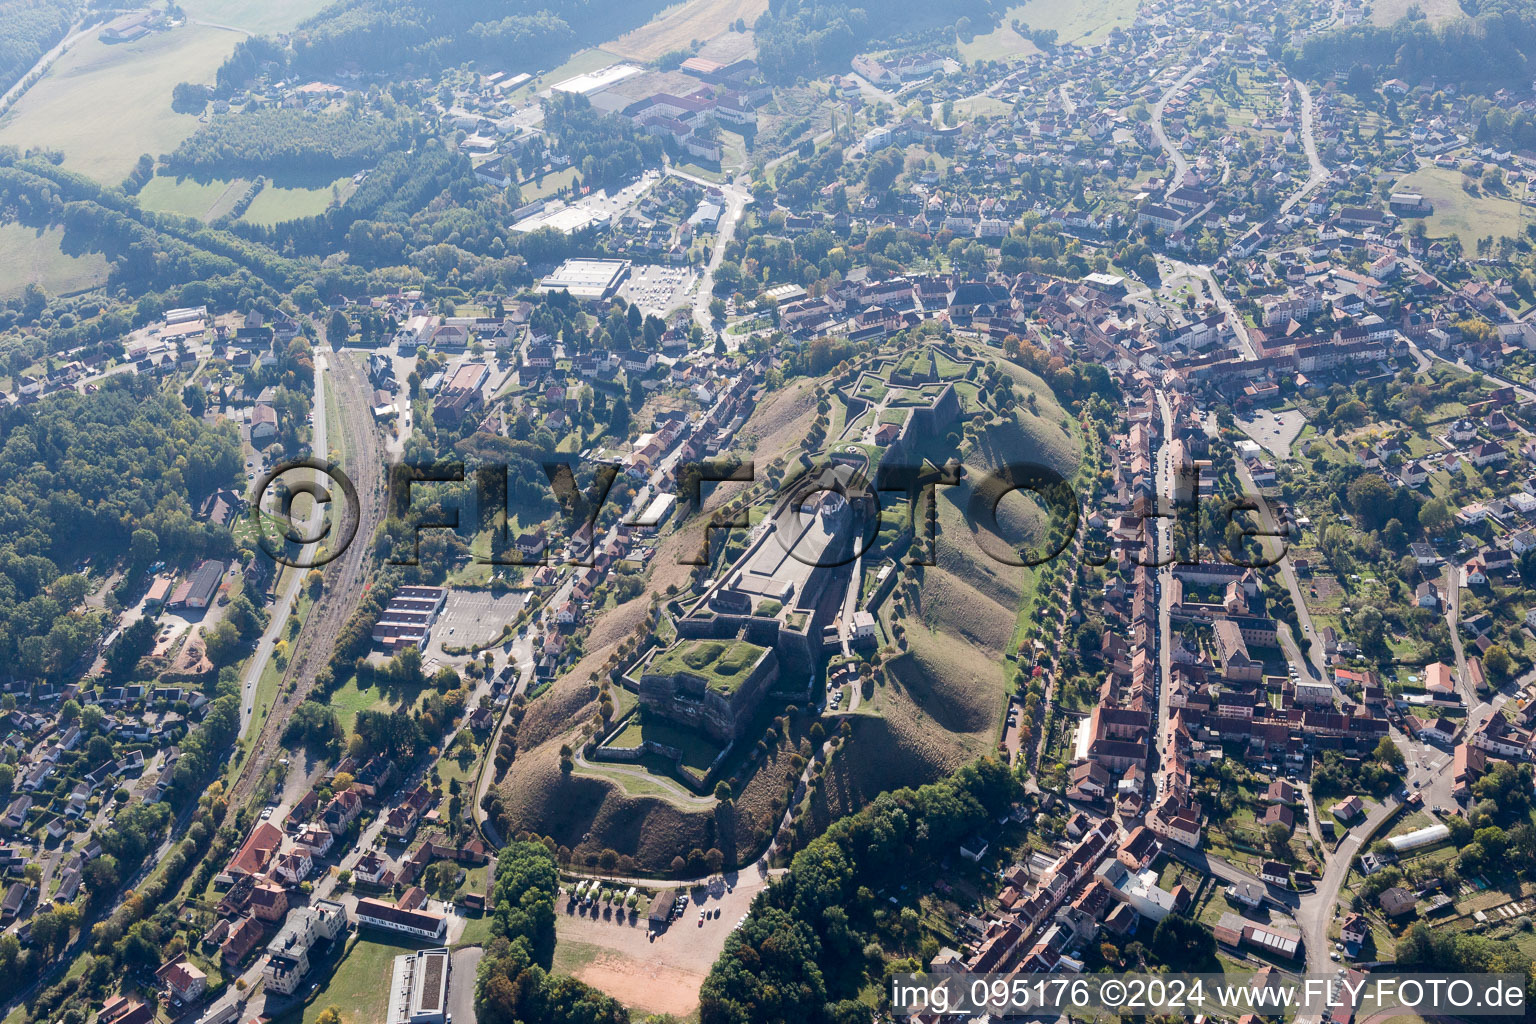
(461, 984)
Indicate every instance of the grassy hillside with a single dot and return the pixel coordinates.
(939, 705)
(31, 256)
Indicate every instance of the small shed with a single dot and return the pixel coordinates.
(661, 909)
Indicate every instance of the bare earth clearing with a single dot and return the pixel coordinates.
(653, 977)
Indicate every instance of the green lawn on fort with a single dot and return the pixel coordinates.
(723, 664)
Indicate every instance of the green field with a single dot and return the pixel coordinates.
(1468, 217)
(359, 986)
(102, 106)
(209, 200)
(31, 256)
(189, 197)
(1436, 12)
(348, 700)
(723, 666)
(276, 203)
(548, 185)
(698, 751)
(1002, 43)
(255, 16)
(1075, 21)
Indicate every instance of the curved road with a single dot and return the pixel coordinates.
(1180, 164)
(1319, 173)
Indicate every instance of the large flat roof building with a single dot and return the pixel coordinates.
(587, 279)
(407, 619)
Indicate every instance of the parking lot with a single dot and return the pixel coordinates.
(471, 617)
(1275, 432)
(659, 290)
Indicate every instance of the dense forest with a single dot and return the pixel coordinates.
(32, 27)
(426, 35)
(804, 38)
(284, 140)
(514, 983)
(110, 477)
(1491, 50)
(805, 949)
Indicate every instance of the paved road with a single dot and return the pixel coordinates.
(1066, 100)
(736, 200)
(1319, 173)
(677, 793)
(461, 984)
(1180, 163)
(1450, 589)
(1316, 910)
(1202, 272)
(1164, 540)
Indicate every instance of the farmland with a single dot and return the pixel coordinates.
(1436, 12)
(200, 199)
(277, 203)
(1086, 22)
(254, 16)
(103, 105)
(679, 27)
(1002, 43)
(209, 200)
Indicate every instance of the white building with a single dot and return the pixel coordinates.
(288, 953)
(418, 990)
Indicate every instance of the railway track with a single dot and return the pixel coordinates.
(364, 462)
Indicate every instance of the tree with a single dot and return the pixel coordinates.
(1183, 943)
(1435, 517)
(1279, 839)
(143, 548)
(618, 420)
(337, 328)
(1499, 664)
(195, 399)
(329, 1015)
(1370, 497)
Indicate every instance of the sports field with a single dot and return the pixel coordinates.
(103, 105)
